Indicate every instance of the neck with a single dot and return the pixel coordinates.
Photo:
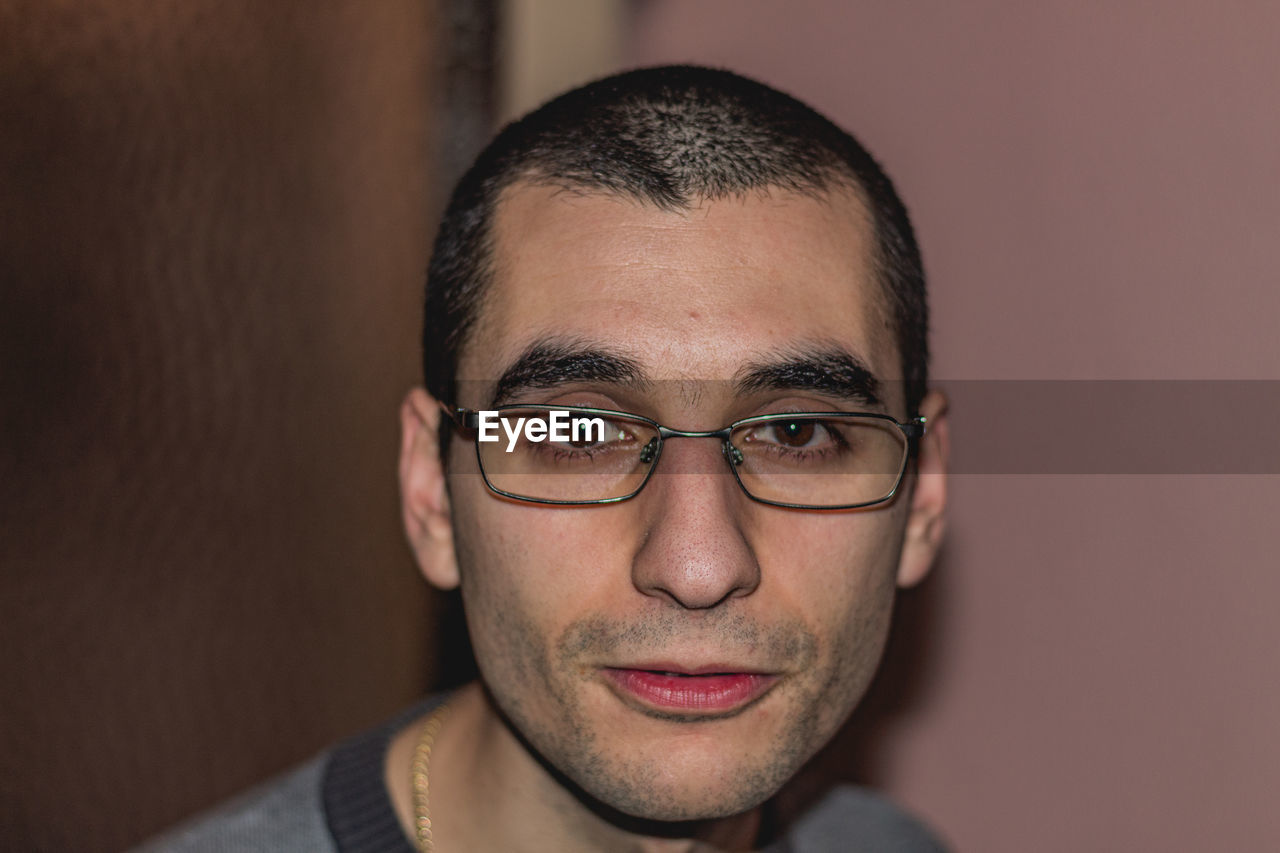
(489, 791)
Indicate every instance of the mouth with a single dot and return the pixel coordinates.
(710, 692)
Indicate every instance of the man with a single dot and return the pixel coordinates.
(674, 607)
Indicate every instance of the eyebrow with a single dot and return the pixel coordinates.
(550, 362)
(829, 370)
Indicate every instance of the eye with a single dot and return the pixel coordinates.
(806, 434)
(794, 433)
(586, 441)
(614, 435)
(582, 441)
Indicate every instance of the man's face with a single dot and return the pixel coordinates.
(767, 622)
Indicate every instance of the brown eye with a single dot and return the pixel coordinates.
(794, 433)
(614, 435)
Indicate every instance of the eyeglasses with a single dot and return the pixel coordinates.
(576, 456)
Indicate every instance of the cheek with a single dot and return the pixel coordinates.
(838, 572)
(492, 585)
(527, 576)
(830, 565)
(866, 563)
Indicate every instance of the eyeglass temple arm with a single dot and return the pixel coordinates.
(914, 430)
(466, 419)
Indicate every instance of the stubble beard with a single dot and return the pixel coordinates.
(561, 735)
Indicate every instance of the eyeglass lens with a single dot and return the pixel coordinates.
(804, 460)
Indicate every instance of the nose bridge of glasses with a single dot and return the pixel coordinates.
(731, 454)
(654, 449)
(668, 432)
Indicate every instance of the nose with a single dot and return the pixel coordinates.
(695, 552)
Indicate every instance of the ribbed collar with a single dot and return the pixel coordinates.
(357, 807)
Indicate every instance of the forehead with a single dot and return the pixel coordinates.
(687, 294)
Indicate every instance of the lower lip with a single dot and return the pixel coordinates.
(715, 693)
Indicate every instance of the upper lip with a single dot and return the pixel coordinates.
(699, 669)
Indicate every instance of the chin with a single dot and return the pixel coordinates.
(681, 805)
(684, 791)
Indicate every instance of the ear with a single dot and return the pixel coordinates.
(424, 500)
(927, 518)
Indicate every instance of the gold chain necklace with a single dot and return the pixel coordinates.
(419, 768)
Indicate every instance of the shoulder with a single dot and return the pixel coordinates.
(284, 814)
(850, 818)
(335, 802)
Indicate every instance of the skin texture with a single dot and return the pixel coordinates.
(690, 571)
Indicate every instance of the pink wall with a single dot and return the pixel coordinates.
(1098, 197)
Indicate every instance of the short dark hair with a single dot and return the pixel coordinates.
(668, 136)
